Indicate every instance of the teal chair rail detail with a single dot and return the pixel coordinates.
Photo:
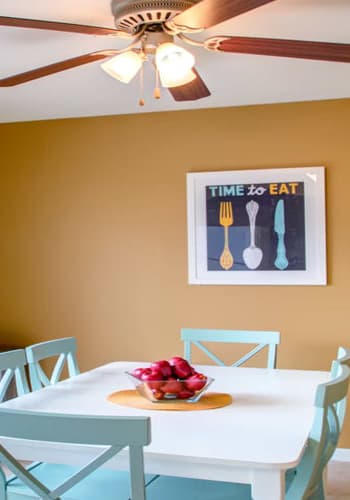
(305, 484)
(343, 357)
(12, 363)
(65, 349)
(52, 481)
(264, 339)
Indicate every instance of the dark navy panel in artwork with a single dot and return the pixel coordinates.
(279, 234)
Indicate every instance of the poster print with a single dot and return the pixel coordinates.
(257, 227)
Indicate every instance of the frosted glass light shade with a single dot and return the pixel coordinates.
(174, 65)
(124, 66)
(177, 80)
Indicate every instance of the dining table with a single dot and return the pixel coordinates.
(253, 440)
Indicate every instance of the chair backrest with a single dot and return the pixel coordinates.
(114, 432)
(343, 358)
(270, 340)
(65, 349)
(323, 438)
(12, 365)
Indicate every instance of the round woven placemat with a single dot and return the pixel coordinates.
(208, 401)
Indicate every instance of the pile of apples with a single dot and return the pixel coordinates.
(174, 378)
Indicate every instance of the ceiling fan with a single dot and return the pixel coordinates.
(151, 27)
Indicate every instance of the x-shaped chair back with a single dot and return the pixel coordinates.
(111, 433)
(264, 339)
(12, 365)
(65, 349)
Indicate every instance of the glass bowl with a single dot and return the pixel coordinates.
(160, 391)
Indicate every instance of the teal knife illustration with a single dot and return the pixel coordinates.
(281, 261)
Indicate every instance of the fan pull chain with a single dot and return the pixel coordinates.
(156, 93)
(141, 100)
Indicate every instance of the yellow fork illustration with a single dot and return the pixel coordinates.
(226, 220)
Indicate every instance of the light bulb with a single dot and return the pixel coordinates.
(124, 66)
(174, 65)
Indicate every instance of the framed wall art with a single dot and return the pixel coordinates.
(257, 227)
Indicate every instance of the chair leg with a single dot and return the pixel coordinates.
(319, 493)
(325, 480)
(2, 488)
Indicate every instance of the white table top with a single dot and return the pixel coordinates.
(266, 425)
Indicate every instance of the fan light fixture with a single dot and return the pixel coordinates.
(124, 66)
(174, 65)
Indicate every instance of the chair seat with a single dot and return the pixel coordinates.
(103, 484)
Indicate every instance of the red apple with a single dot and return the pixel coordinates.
(154, 378)
(185, 394)
(146, 371)
(137, 372)
(157, 394)
(182, 369)
(195, 382)
(163, 366)
(175, 359)
(172, 386)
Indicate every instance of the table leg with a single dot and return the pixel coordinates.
(268, 484)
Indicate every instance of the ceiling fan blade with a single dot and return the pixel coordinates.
(208, 13)
(18, 22)
(33, 74)
(301, 49)
(192, 91)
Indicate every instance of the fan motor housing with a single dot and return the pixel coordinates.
(131, 15)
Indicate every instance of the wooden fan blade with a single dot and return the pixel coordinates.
(301, 49)
(56, 68)
(208, 13)
(18, 22)
(192, 91)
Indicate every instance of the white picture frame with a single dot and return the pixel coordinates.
(296, 227)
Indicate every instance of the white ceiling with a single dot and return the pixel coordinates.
(233, 79)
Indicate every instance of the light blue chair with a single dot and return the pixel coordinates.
(307, 483)
(264, 339)
(90, 482)
(343, 357)
(12, 365)
(65, 349)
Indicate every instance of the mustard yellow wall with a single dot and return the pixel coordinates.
(93, 231)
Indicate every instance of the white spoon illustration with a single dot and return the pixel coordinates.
(252, 255)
